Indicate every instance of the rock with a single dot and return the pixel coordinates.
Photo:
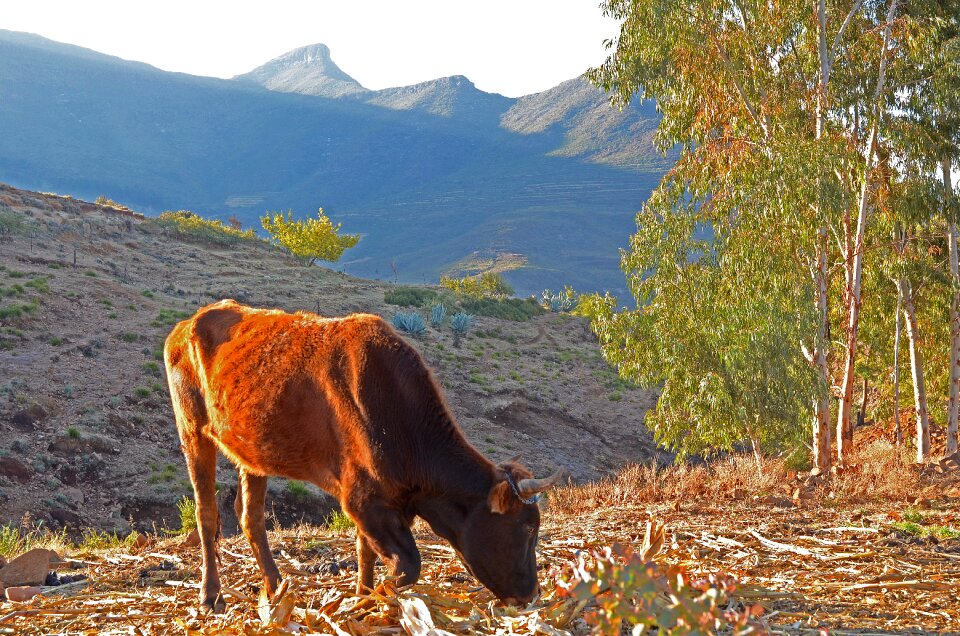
(922, 502)
(801, 494)
(28, 418)
(21, 594)
(30, 568)
(192, 539)
(15, 469)
(141, 541)
(777, 502)
(3, 562)
(84, 443)
(65, 517)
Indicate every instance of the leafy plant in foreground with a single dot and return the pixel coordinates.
(624, 588)
(310, 239)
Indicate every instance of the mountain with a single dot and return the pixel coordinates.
(308, 70)
(438, 177)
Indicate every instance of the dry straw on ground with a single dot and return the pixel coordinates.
(812, 562)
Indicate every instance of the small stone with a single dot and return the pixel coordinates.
(141, 541)
(52, 579)
(921, 502)
(778, 502)
(192, 539)
(21, 594)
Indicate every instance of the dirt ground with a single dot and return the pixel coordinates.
(87, 438)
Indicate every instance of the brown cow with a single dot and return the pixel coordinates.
(348, 405)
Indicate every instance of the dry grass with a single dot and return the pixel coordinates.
(878, 472)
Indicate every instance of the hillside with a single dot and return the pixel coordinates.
(88, 438)
(430, 175)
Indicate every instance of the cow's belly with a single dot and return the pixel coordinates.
(302, 443)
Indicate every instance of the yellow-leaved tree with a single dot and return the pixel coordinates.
(310, 239)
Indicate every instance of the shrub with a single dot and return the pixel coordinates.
(411, 323)
(625, 588)
(40, 284)
(309, 240)
(191, 226)
(561, 301)
(188, 514)
(338, 521)
(73, 432)
(515, 309)
(487, 285)
(437, 314)
(11, 223)
(460, 322)
(409, 296)
(16, 311)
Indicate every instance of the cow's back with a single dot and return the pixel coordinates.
(300, 396)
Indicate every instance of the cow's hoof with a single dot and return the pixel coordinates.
(211, 605)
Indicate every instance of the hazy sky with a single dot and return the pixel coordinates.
(514, 47)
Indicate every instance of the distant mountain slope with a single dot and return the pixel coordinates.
(308, 70)
(427, 173)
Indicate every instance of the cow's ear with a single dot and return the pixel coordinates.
(501, 498)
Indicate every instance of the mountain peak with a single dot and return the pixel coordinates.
(309, 70)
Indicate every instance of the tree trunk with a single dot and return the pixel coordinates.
(916, 367)
(896, 369)
(855, 267)
(821, 404)
(953, 407)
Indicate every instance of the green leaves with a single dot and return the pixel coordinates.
(308, 240)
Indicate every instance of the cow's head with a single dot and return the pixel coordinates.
(498, 542)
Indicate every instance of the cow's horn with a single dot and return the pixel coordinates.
(528, 487)
(514, 459)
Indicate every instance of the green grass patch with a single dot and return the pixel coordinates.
(298, 490)
(146, 293)
(163, 475)
(73, 432)
(93, 540)
(168, 317)
(17, 310)
(40, 284)
(56, 341)
(142, 392)
(129, 337)
(936, 531)
(14, 541)
(15, 273)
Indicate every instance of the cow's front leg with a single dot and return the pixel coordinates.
(383, 532)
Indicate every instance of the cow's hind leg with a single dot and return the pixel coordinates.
(201, 455)
(251, 493)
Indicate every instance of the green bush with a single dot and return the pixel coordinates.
(409, 296)
(483, 286)
(188, 514)
(338, 522)
(191, 226)
(516, 309)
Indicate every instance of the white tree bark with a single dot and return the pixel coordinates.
(953, 406)
(896, 369)
(855, 264)
(916, 368)
(821, 405)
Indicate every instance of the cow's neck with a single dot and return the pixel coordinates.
(464, 482)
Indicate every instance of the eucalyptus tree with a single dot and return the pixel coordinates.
(926, 134)
(781, 110)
